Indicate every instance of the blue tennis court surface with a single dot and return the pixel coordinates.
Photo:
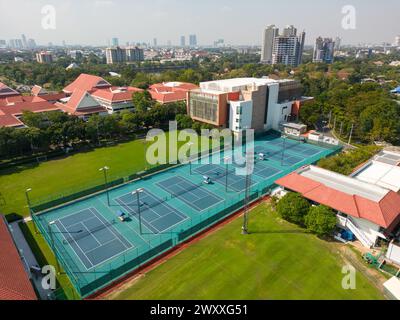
(193, 195)
(93, 239)
(95, 248)
(156, 215)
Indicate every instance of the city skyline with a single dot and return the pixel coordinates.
(73, 17)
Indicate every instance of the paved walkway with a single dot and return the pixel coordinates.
(29, 259)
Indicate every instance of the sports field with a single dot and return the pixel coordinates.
(278, 260)
(67, 175)
(95, 247)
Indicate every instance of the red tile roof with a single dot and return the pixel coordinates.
(87, 82)
(385, 212)
(10, 112)
(14, 280)
(73, 104)
(6, 91)
(170, 92)
(116, 94)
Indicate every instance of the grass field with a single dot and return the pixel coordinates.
(277, 260)
(67, 175)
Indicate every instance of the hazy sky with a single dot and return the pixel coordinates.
(236, 21)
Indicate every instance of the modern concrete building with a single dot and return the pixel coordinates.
(192, 40)
(270, 33)
(183, 41)
(286, 48)
(324, 50)
(243, 103)
(44, 57)
(121, 55)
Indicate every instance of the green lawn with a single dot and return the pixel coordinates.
(277, 260)
(68, 175)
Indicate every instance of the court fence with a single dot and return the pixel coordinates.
(134, 259)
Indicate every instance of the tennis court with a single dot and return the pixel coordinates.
(218, 174)
(95, 248)
(192, 194)
(156, 215)
(93, 239)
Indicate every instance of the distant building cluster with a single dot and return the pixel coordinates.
(121, 55)
(324, 50)
(286, 48)
(19, 44)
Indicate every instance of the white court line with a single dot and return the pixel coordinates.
(111, 229)
(78, 248)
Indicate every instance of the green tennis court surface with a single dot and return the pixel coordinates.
(96, 248)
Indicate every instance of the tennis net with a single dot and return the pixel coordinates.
(80, 234)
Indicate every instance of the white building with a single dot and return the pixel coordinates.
(367, 202)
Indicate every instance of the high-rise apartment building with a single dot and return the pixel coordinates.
(24, 42)
(270, 33)
(44, 57)
(397, 41)
(155, 42)
(324, 50)
(119, 55)
(193, 40)
(338, 44)
(115, 42)
(286, 48)
(183, 41)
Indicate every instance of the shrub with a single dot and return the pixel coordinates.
(293, 208)
(320, 220)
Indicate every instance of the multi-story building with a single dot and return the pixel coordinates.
(183, 41)
(134, 54)
(121, 55)
(170, 91)
(115, 55)
(243, 103)
(270, 33)
(397, 41)
(44, 57)
(192, 40)
(338, 43)
(115, 42)
(324, 50)
(282, 49)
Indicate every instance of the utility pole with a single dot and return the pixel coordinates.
(105, 169)
(351, 132)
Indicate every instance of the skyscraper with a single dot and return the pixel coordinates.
(284, 49)
(193, 40)
(397, 41)
(24, 42)
(270, 33)
(114, 42)
(324, 50)
(183, 41)
(338, 43)
(155, 42)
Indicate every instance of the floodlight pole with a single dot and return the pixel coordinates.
(226, 159)
(283, 151)
(105, 169)
(188, 155)
(29, 208)
(53, 245)
(245, 229)
(137, 192)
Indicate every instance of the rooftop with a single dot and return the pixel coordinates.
(345, 194)
(14, 280)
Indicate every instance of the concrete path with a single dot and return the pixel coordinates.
(29, 259)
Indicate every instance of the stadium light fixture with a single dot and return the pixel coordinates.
(105, 169)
